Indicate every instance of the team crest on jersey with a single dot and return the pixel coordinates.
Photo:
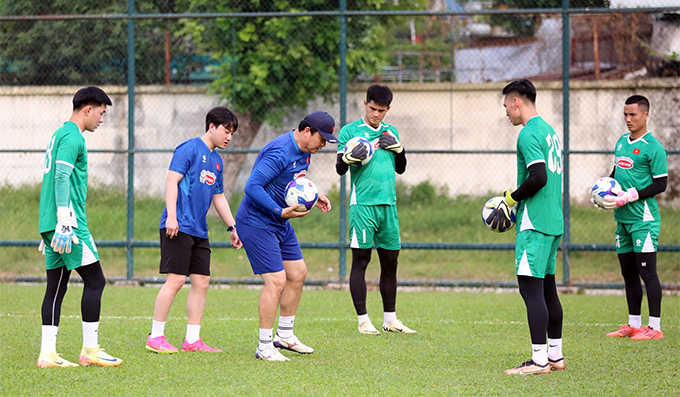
(624, 162)
(217, 165)
(301, 174)
(636, 151)
(208, 177)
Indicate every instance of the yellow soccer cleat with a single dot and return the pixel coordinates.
(557, 365)
(529, 368)
(367, 328)
(47, 360)
(397, 326)
(97, 356)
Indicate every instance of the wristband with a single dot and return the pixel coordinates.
(232, 227)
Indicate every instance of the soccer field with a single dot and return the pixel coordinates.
(464, 342)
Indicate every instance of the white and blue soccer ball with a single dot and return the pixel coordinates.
(357, 140)
(604, 187)
(493, 204)
(301, 192)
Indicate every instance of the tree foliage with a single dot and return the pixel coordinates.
(76, 52)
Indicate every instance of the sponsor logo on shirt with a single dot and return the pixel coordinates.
(624, 162)
(207, 177)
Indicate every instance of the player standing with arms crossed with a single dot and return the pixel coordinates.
(269, 239)
(63, 221)
(194, 182)
(641, 168)
(540, 225)
(373, 207)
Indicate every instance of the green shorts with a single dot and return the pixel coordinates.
(637, 237)
(82, 254)
(535, 253)
(374, 224)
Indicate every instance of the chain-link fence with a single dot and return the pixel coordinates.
(273, 62)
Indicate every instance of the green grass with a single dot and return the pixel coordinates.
(465, 340)
(425, 216)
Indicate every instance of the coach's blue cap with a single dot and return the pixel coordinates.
(324, 123)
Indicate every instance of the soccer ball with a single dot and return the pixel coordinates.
(493, 203)
(360, 141)
(301, 192)
(604, 187)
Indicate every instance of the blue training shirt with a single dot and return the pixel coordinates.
(278, 163)
(202, 170)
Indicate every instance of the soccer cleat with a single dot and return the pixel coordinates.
(625, 331)
(557, 365)
(529, 368)
(293, 344)
(47, 360)
(270, 353)
(397, 326)
(367, 328)
(198, 346)
(97, 356)
(647, 333)
(160, 345)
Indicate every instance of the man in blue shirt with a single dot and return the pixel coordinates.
(194, 182)
(269, 239)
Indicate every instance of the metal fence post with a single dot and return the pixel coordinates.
(131, 141)
(566, 63)
(342, 260)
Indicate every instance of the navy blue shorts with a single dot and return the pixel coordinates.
(268, 248)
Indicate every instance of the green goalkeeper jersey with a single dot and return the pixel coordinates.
(538, 143)
(66, 150)
(636, 164)
(373, 183)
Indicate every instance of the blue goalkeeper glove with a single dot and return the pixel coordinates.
(356, 155)
(390, 142)
(500, 219)
(63, 234)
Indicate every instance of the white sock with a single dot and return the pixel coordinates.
(539, 354)
(285, 329)
(193, 333)
(362, 318)
(90, 330)
(48, 342)
(555, 349)
(655, 323)
(389, 317)
(265, 338)
(157, 329)
(635, 321)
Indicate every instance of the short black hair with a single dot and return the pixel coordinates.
(304, 124)
(379, 94)
(523, 88)
(642, 102)
(90, 96)
(221, 116)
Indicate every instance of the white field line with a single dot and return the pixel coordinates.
(321, 319)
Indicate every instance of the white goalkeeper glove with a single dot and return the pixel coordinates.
(356, 155)
(63, 234)
(500, 219)
(390, 142)
(41, 247)
(622, 198)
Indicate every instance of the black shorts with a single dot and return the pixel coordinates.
(184, 254)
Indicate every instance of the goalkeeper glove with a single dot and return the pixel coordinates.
(41, 247)
(500, 219)
(63, 234)
(622, 198)
(356, 155)
(390, 142)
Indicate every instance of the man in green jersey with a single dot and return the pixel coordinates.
(373, 216)
(66, 241)
(540, 225)
(641, 169)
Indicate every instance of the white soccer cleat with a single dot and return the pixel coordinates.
(47, 360)
(270, 353)
(293, 344)
(397, 326)
(367, 328)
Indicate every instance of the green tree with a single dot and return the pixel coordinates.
(77, 52)
(271, 66)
